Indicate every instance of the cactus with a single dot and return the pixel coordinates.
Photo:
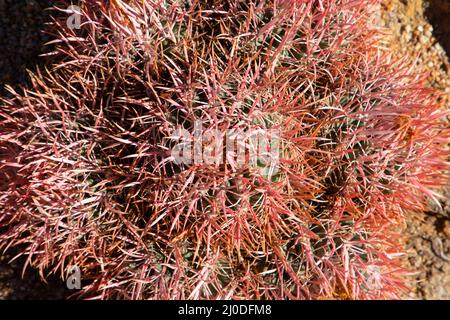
(88, 175)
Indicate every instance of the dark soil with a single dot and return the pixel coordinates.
(29, 287)
(21, 38)
(21, 42)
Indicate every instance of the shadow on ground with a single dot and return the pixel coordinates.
(29, 287)
(21, 43)
(21, 39)
(438, 14)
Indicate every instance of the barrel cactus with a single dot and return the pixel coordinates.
(101, 167)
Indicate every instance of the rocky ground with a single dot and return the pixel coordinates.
(421, 29)
(416, 27)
